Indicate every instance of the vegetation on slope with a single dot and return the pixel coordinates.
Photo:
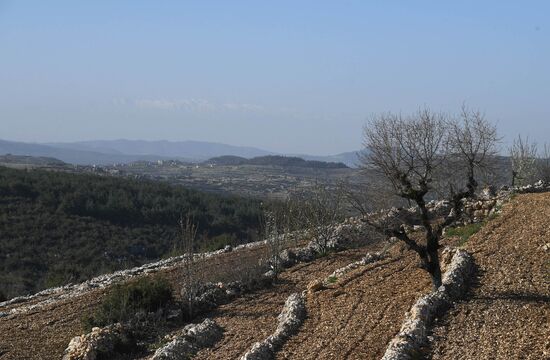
(276, 160)
(57, 227)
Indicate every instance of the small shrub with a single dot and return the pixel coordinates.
(464, 232)
(332, 279)
(124, 301)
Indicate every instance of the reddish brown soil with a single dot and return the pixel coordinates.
(507, 313)
(254, 317)
(45, 332)
(357, 317)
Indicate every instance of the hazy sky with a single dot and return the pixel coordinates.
(289, 76)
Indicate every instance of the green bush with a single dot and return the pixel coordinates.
(124, 301)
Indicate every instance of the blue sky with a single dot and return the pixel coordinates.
(289, 76)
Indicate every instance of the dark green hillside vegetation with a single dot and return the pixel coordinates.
(278, 160)
(275, 160)
(57, 227)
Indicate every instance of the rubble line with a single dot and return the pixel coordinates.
(406, 345)
(290, 319)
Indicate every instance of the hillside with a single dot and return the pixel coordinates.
(355, 316)
(58, 227)
(193, 150)
(506, 315)
(77, 156)
(122, 151)
(275, 160)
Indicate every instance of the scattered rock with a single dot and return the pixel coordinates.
(193, 338)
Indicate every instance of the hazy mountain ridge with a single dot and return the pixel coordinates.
(73, 156)
(103, 152)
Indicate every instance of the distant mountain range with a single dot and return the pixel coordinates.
(103, 152)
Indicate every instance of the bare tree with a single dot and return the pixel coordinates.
(191, 271)
(473, 142)
(272, 232)
(523, 154)
(544, 164)
(321, 210)
(411, 152)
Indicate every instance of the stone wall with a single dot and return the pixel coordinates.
(413, 334)
(189, 341)
(290, 320)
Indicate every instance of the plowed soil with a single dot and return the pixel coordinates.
(356, 317)
(507, 313)
(254, 317)
(45, 332)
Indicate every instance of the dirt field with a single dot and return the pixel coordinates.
(45, 332)
(254, 317)
(356, 317)
(507, 313)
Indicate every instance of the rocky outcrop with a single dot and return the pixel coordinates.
(413, 334)
(100, 342)
(191, 339)
(290, 319)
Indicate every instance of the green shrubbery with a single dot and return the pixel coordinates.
(124, 301)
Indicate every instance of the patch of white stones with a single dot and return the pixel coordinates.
(98, 342)
(53, 295)
(368, 259)
(413, 334)
(189, 341)
(290, 319)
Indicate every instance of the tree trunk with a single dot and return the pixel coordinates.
(435, 271)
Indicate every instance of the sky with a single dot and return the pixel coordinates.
(286, 76)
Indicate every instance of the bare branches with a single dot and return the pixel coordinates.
(413, 153)
(544, 164)
(191, 272)
(523, 154)
(321, 210)
(473, 141)
(406, 151)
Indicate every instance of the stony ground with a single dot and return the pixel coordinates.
(507, 313)
(357, 316)
(45, 332)
(254, 317)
